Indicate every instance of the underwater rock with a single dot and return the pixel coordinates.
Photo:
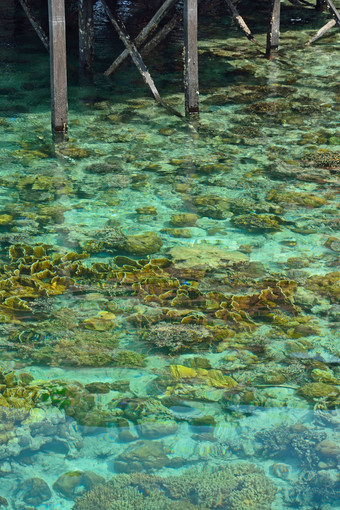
(198, 362)
(104, 321)
(151, 417)
(267, 107)
(138, 245)
(98, 387)
(210, 377)
(327, 285)
(324, 376)
(212, 206)
(153, 427)
(73, 151)
(108, 240)
(183, 220)
(177, 337)
(91, 479)
(68, 483)
(319, 390)
(34, 491)
(103, 168)
(183, 233)
(258, 222)
(204, 421)
(205, 256)
(182, 372)
(292, 197)
(305, 297)
(328, 449)
(142, 456)
(323, 158)
(333, 243)
(126, 431)
(5, 219)
(3, 501)
(127, 358)
(274, 378)
(148, 210)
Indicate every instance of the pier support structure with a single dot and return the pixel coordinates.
(57, 39)
(273, 32)
(86, 34)
(191, 57)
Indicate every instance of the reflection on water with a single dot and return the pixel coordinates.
(169, 294)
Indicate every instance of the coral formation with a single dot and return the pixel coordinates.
(236, 487)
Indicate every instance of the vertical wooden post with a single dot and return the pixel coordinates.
(273, 33)
(86, 34)
(191, 57)
(56, 15)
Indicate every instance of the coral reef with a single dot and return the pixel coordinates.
(294, 441)
(236, 487)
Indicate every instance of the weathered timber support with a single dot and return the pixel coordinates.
(137, 58)
(240, 21)
(86, 34)
(59, 106)
(35, 24)
(162, 34)
(190, 19)
(142, 36)
(321, 32)
(334, 11)
(273, 32)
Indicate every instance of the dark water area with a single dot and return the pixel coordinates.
(169, 292)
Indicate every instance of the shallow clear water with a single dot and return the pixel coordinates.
(169, 294)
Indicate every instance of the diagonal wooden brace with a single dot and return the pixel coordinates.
(334, 11)
(35, 24)
(137, 59)
(321, 32)
(143, 35)
(240, 21)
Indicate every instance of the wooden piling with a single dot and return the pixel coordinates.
(190, 18)
(86, 34)
(59, 106)
(273, 33)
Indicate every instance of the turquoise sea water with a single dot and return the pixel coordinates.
(169, 293)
